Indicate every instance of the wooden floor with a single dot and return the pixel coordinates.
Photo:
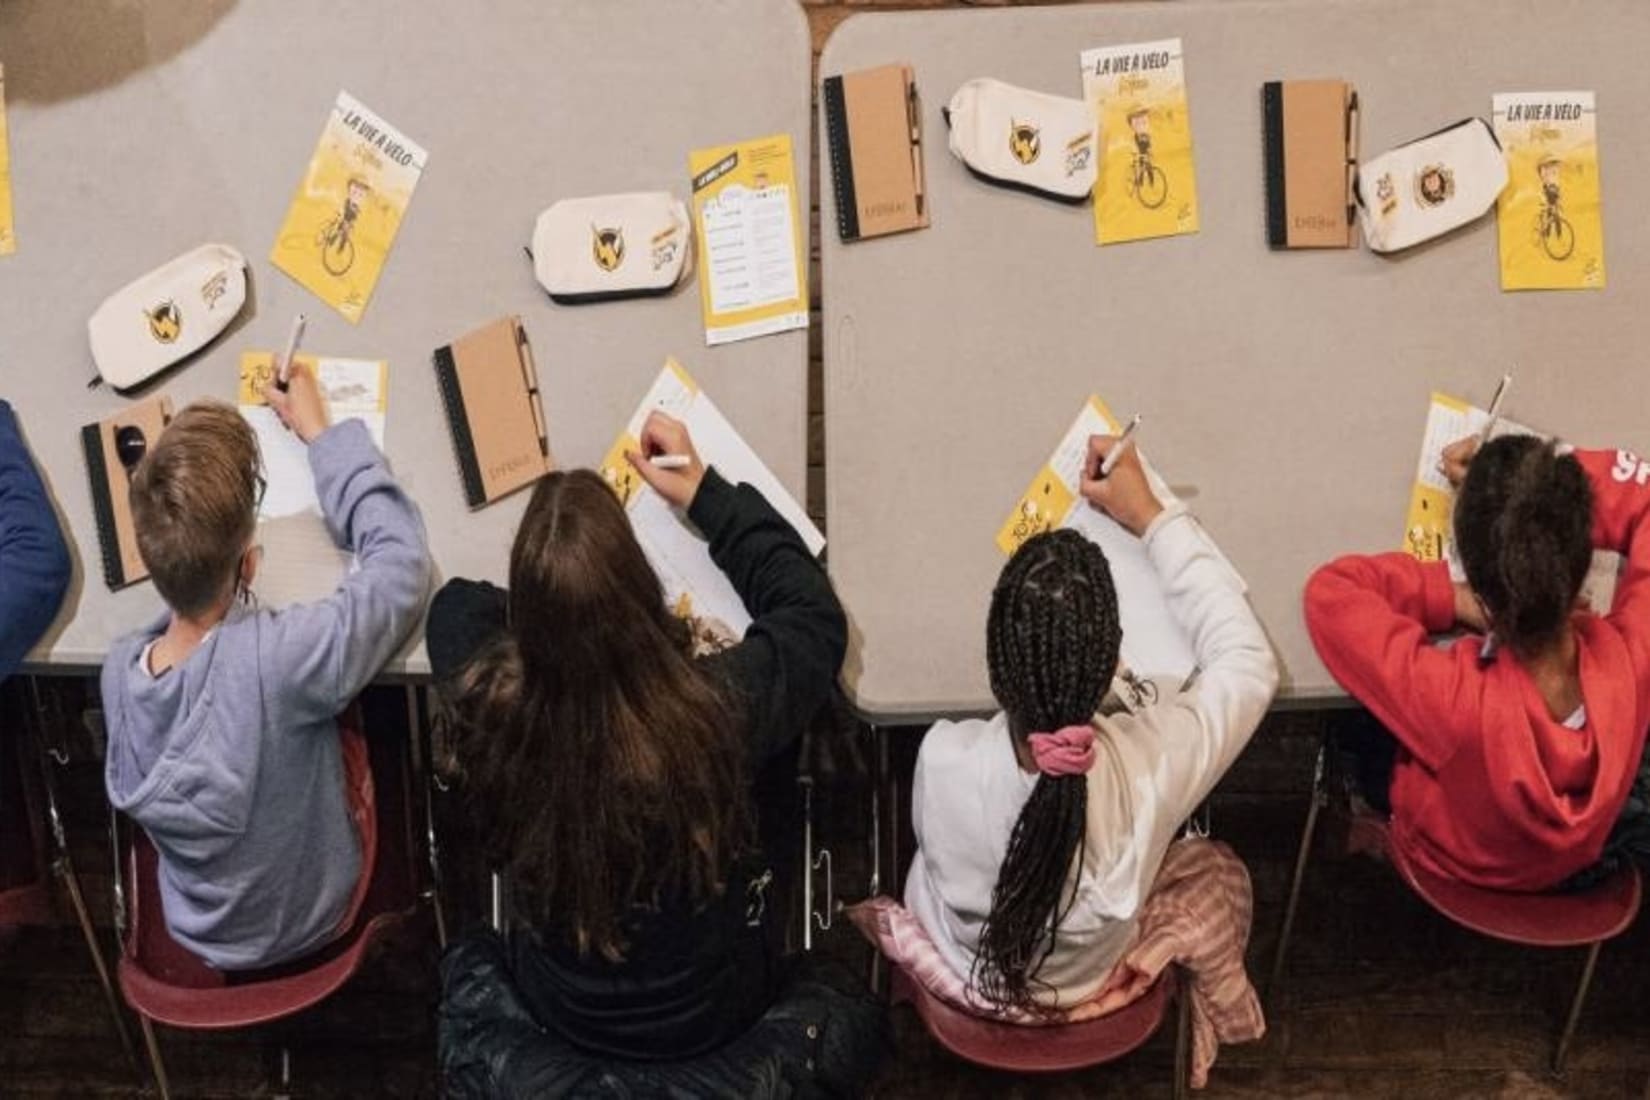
(1382, 998)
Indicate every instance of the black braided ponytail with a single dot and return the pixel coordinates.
(1523, 525)
(1051, 642)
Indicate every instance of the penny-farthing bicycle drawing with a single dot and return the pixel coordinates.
(1148, 183)
(334, 239)
(1552, 228)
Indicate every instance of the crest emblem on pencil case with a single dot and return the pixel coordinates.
(1024, 142)
(1434, 185)
(165, 322)
(607, 245)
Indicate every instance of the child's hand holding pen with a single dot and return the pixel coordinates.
(1115, 482)
(299, 403)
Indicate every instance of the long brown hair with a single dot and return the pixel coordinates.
(600, 761)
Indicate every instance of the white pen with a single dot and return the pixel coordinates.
(1495, 409)
(284, 367)
(1123, 443)
(671, 462)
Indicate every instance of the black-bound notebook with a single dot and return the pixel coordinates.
(109, 446)
(489, 387)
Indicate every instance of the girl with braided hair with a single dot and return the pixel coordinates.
(1517, 747)
(1040, 830)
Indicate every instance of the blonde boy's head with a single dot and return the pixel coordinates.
(194, 499)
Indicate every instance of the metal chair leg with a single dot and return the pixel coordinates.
(1320, 797)
(427, 776)
(1182, 1039)
(63, 867)
(879, 772)
(1574, 1016)
(156, 1065)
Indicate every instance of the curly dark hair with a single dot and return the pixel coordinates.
(1523, 526)
(1051, 641)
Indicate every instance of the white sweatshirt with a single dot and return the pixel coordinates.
(1155, 763)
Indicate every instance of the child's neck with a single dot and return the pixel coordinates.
(1556, 671)
(183, 635)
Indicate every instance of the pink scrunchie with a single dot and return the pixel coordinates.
(1069, 751)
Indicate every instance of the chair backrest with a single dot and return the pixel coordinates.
(166, 982)
(25, 892)
(1555, 919)
(1021, 1048)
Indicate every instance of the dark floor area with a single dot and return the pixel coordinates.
(1382, 998)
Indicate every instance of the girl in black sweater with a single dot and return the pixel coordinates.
(607, 771)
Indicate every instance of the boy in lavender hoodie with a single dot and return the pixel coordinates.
(222, 717)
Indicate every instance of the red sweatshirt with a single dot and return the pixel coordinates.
(1489, 788)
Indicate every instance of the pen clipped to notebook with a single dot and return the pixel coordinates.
(873, 126)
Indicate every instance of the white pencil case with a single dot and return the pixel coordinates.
(606, 247)
(1020, 138)
(1430, 186)
(167, 315)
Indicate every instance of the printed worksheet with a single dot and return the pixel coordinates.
(1153, 642)
(1147, 184)
(751, 238)
(351, 388)
(695, 588)
(1549, 220)
(348, 208)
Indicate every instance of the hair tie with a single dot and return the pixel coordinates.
(1069, 751)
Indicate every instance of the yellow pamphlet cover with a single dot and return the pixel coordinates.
(349, 207)
(1146, 186)
(1550, 222)
(1053, 493)
(8, 239)
(751, 239)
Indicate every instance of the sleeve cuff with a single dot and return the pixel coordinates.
(1437, 597)
(1173, 510)
(712, 501)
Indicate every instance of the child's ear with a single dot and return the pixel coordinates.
(249, 566)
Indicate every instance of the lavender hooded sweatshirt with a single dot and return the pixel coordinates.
(230, 760)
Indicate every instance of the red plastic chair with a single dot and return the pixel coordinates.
(1580, 918)
(1018, 1048)
(165, 982)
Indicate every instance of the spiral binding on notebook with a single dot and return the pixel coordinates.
(103, 511)
(1271, 111)
(458, 423)
(842, 160)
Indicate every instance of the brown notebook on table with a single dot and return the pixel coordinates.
(873, 123)
(138, 428)
(1310, 132)
(489, 384)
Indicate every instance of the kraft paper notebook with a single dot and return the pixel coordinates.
(873, 123)
(489, 385)
(1309, 136)
(113, 448)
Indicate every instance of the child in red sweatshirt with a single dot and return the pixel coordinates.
(1513, 761)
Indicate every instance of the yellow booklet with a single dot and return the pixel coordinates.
(1549, 219)
(348, 208)
(1154, 643)
(751, 239)
(8, 240)
(1146, 186)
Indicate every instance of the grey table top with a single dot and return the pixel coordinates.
(1285, 393)
(141, 131)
